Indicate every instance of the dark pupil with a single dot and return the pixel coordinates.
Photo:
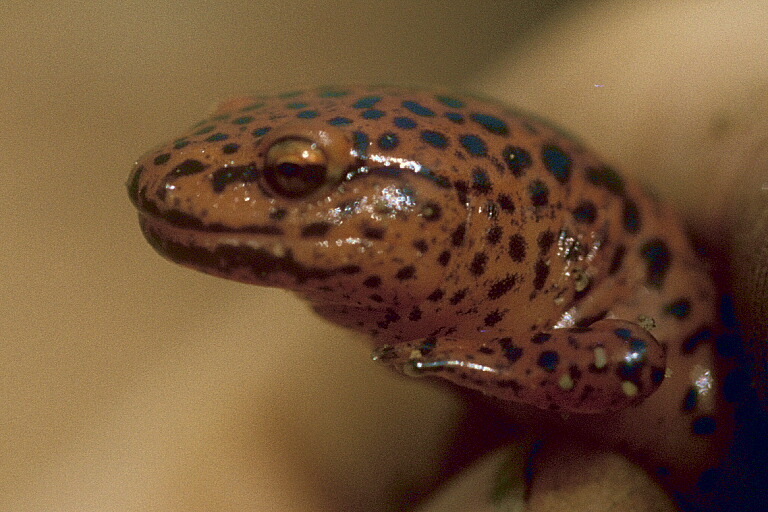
(294, 180)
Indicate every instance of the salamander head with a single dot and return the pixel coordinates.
(315, 193)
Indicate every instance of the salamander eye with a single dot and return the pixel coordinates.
(295, 168)
(300, 158)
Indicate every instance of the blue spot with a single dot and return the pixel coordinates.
(450, 102)
(366, 102)
(548, 360)
(373, 114)
(557, 162)
(631, 216)
(491, 123)
(658, 259)
(216, 137)
(455, 117)
(481, 183)
(435, 139)
(260, 132)
(658, 375)
(361, 143)
(690, 400)
(704, 426)
(333, 93)
(388, 141)
(406, 123)
(297, 105)
(308, 114)
(180, 144)
(340, 121)
(161, 159)
(623, 333)
(205, 130)
(418, 109)
(474, 145)
(242, 120)
(680, 308)
(254, 106)
(517, 159)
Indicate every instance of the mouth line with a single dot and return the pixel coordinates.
(249, 261)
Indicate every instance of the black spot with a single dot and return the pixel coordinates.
(704, 426)
(388, 141)
(540, 337)
(375, 297)
(541, 273)
(617, 259)
(517, 159)
(457, 237)
(606, 178)
(436, 295)
(631, 216)
(545, 241)
(374, 233)
(486, 350)
(585, 212)
(690, 400)
(462, 190)
(517, 248)
(188, 168)
(501, 287)
(458, 297)
(493, 318)
(494, 234)
(421, 245)
(548, 360)
(372, 282)
(415, 314)
(679, 309)
(658, 259)
(481, 183)
(406, 273)
(161, 159)
(506, 204)
(431, 212)
(539, 193)
(230, 148)
(315, 229)
(220, 178)
(477, 267)
(510, 351)
(557, 162)
(350, 269)
(444, 258)
(278, 214)
(589, 320)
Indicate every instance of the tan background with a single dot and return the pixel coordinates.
(129, 384)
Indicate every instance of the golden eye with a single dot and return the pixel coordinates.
(295, 168)
(302, 157)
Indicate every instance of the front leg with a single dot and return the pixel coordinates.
(608, 366)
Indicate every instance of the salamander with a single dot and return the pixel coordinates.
(474, 243)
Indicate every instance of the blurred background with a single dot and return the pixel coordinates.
(127, 383)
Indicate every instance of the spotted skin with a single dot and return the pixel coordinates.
(473, 243)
